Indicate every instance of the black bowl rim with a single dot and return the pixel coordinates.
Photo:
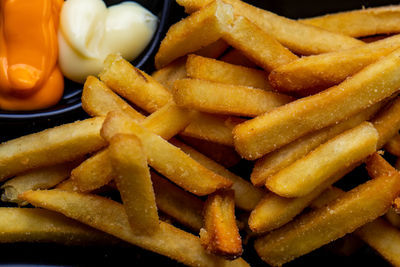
(48, 114)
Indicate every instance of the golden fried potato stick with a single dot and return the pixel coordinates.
(110, 217)
(220, 235)
(315, 73)
(167, 75)
(198, 67)
(166, 158)
(275, 161)
(213, 50)
(49, 147)
(98, 100)
(236, 57)
(67, 185)
(224, 155)
(361, 22)
(194, 32)
(274, 211)
(263, 49)
(298, 37)
(378, 166)
(41, 178)
(177, 203)
(226, 99)
(201, 125)
(393, 145)
(393, 217)
(132, 176)
(39, 225)
(121, 77)
(246, 195)
(305, 174)
(310, 231)
(284, 124)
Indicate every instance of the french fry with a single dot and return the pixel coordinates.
(198, 67)
(315, 73)
(298, 37)
(236, 57)
(167, 75)
(393, 145)
(220, 234)
(49, 147)
(42, 178)
(393, 217)
(132, 175)
(224, 155)
(284, 124)
(275, 161)
(67, 185)
(98, 100)
(180, 205)
(110, 217)
(166, 158)
(246, 195)
(194, 32)
(39, 225)
(264, 49)
(378, 166)
(310, 231)
(381, 20)
(129, 82)
(274, 211)
(301, 177)
(213, 50)
(226, 99)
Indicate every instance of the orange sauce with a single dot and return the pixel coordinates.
(29, 75)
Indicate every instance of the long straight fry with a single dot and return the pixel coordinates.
(381, 20)
(315, 73)
(132, 176)
(194, 32)
(282, 125)
(246, 195)
(110, 217)
(275, 161)
(310, 231)
(227, 99)
(301, 177)
(166, 158)
(209, 69)
(41, 178)
(49, 147)
(39, 225)
(298, 37)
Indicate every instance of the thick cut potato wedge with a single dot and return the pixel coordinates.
(110, 217)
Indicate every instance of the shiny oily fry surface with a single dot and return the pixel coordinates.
(132, 175)
(310, 231)
(49, 147)
(226, 99)
(298, 37)
(315, 73)
(301, 177)
(267, 132)
(110, 217)
(166, 158)
(220, 234)
(381, 20)
(194, 32)
(209, 69)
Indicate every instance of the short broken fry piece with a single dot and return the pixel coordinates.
(49, 147)
(109, 216)
(301, 177)
(132, 175)
(209, 69)
(166, 158)
(265, 133)
(220, 234)
(226, 99)
(313, 230)
(194, 32)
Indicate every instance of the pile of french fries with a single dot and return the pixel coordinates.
(305, 102)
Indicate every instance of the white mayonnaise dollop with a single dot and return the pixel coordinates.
(89, 31)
